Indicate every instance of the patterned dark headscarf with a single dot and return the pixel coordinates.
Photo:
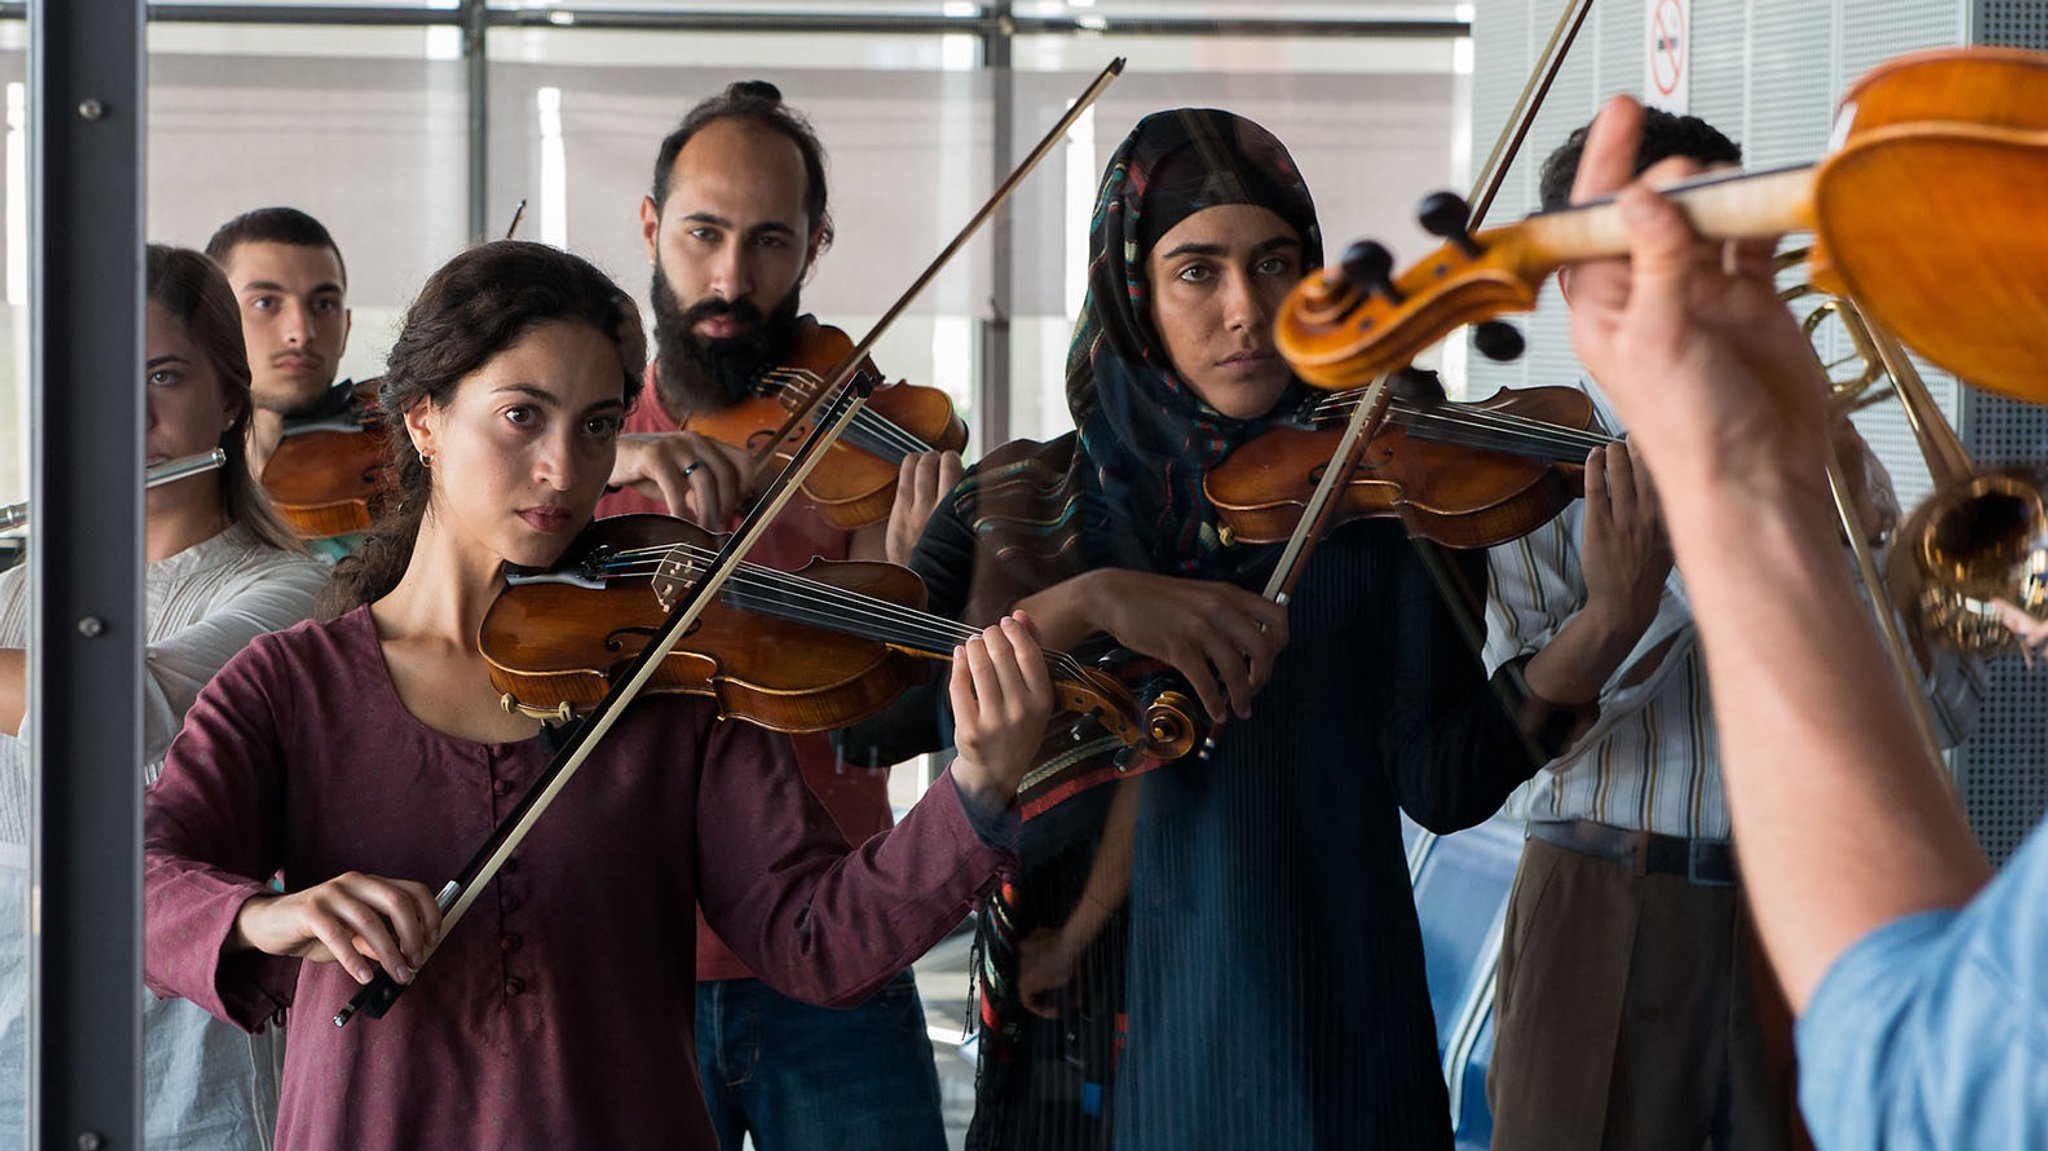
(1146, 438)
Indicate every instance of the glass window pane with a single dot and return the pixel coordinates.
(577, 117)
(364, 128)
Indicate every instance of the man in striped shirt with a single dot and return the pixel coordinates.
(1632, 1011)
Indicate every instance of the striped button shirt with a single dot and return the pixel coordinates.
(1651, 761)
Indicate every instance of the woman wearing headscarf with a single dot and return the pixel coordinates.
(1273, 987)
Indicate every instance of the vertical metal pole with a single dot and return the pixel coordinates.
(475, 53)
(85, 696)
(992, 394)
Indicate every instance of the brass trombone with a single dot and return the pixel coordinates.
(1981, 537)
(1983, 534)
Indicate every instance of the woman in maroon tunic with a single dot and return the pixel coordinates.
(364, 758)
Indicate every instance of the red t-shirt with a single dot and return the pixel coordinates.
(856, 797)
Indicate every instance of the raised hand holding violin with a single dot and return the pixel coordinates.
(1913, 136)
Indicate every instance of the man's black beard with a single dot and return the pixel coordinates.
(700, 375)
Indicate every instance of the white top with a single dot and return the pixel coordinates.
(1652, 760)
(209, 1085)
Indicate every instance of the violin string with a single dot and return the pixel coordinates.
(1548, 437)
(882, 430)
(904, 623)
(909, 623)
(1479, 419)
(872, 421)
(1344, 401)
(1483, 419)
(808, 607)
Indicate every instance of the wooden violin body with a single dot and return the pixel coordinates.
(1422, 466)
(555, 644)
(1926, 213)
(330, 477)
(855, 486)
(811, 650)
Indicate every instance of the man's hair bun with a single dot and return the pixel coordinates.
(760, 90)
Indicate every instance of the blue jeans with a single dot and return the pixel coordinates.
(804, 1078)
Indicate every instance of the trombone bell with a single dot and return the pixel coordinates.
(1973, 542)
(1980, 538)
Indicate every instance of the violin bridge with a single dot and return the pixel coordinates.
(673, 577)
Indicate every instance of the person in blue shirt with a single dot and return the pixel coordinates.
(1918, 975)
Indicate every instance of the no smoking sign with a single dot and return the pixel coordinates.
(1665, 77)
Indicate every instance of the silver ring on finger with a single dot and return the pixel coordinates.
(691, 467)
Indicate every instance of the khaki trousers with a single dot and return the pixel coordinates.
(1634, 1012)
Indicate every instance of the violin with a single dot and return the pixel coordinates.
(855, 485)
(332, 470)
(1466, 475)
(811, 650)
(1924, 212)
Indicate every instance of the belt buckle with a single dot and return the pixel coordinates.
(1693, 850)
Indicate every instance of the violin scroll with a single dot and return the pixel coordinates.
(1156, 718)
(1349, 324)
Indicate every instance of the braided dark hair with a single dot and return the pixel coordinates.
(476, 306)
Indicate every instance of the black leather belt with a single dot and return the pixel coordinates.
(1703, 862)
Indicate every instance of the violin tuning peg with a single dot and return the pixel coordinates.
(1498, 341)
(1446, 214)
(1368, 265)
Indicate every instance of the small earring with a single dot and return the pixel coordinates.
(426, 459)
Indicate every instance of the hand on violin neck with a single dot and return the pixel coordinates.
(1002, 700)
(1624, 553)
(1691, 343)
(1223, 638)
(699, 478)
(361, 921)
(1624, 557)
(924, 479)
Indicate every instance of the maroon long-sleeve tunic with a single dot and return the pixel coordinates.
(558, 1013)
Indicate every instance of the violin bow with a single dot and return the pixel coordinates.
(1492, 175)
(1371, 410)
(692, 596)
(850, 366)
(512, 229)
